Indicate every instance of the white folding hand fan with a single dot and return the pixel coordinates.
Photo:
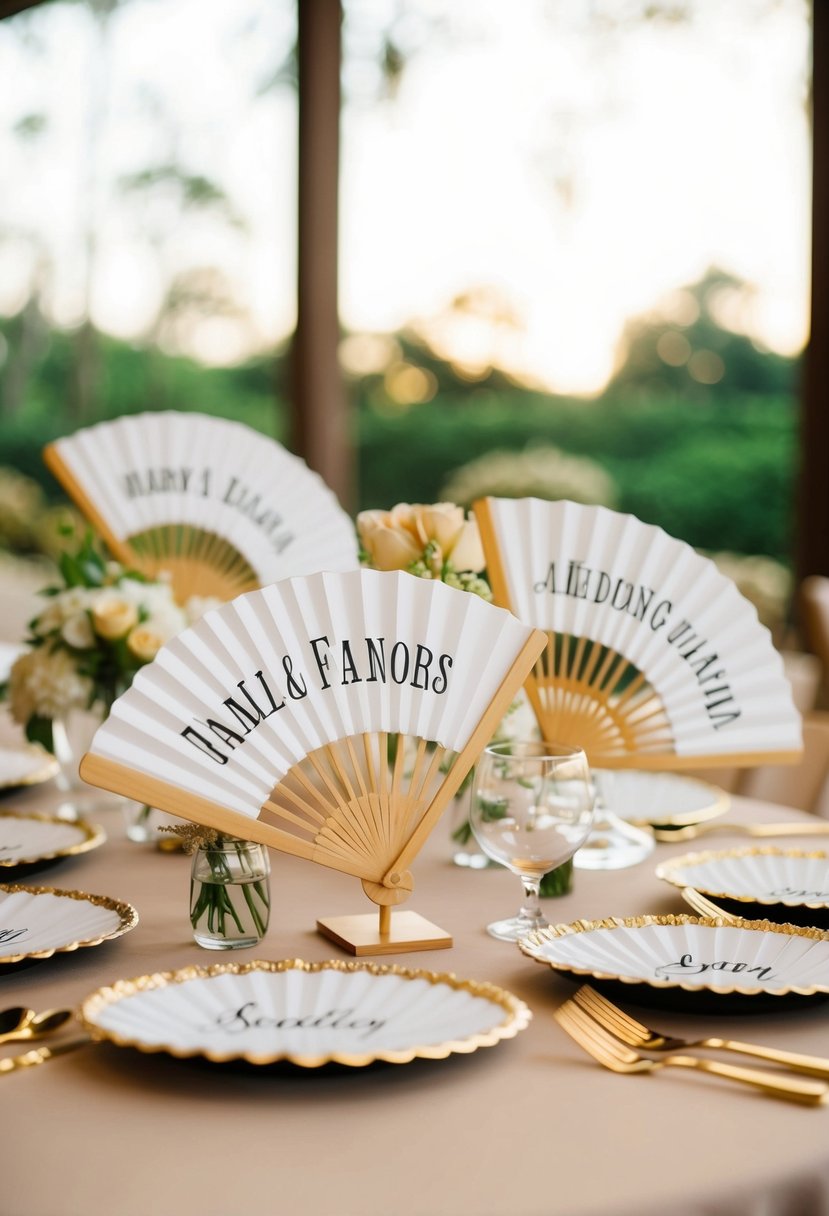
(654, 659)
(301, 716)
(218, 506)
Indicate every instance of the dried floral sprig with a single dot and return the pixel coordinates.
(194, 836)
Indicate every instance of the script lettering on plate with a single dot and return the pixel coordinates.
(11, 935)
(688, 965)
(798, 893)
(248, 1017)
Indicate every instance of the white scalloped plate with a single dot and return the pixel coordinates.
(660, 799)
(692, 953)
(27, 839)
(36, 922)
(307, 1013)
(29, 764)
(793, 878)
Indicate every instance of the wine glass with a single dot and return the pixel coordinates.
(532, 806)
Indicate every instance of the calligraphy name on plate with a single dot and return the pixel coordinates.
(650, 608)
(11, 935)
(688, 965)
(368, 660)
(798, 893)
(139, 483)
(248, 1017)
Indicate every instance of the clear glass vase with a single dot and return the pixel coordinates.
(71, 737)
(229, 894)
(466, 851)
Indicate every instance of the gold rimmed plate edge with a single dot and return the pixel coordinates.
(719, 804)
(665, 870)
(127, 914)
(94, 836)
(48, 768)
(553, 932)
(517, 1014)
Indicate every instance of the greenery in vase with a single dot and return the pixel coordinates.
(214, 901)
(490, 811)
(517, 723)
(558, 881)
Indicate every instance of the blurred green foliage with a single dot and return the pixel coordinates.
(719, 476)
(714, 464)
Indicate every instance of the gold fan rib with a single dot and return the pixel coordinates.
(340, 769)
(355, 768)
(363, 823)
(375, 766)
(417, 775)
(312, 815)
(331, 785)
(380, 826)
(340, 804)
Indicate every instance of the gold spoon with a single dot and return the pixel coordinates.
(13, 1018)
(20, 1023)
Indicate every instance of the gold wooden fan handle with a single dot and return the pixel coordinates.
(396, 893)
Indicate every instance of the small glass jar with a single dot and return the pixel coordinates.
(229, 894)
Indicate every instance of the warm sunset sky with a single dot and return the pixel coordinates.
(576, 170)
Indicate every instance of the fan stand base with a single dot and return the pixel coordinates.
(361, 935)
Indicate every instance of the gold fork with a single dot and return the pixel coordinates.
(626, 1028)
(667, 835)
(705, 906)
(618, 1057)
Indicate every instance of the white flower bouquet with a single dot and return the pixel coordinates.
(101, 624)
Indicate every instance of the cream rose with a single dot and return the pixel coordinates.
(467, 552)
(387, 541)
(440, 523)
(397, 538)
(113, 617)
(144, 643)
(78, 632)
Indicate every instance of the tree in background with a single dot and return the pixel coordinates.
(696, 339)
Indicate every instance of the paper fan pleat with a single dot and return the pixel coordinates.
(332, 716)
(653, 657)
(219, 507)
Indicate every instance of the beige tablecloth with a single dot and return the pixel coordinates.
(531, 1126)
